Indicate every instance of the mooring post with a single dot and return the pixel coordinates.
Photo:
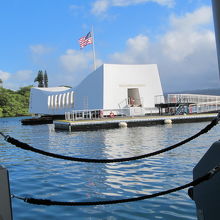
(5, 196)
(207, 194)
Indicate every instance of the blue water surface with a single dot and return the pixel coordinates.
(34, 175)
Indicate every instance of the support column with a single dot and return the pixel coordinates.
(5, 196)
(216, 16)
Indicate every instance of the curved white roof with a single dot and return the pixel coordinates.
(53, 89)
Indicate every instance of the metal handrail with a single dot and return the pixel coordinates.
(103, 113)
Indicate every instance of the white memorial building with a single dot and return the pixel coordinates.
(110, 87)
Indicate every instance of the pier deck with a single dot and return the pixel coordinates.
(109, 123)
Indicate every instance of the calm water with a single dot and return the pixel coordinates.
(38, 176)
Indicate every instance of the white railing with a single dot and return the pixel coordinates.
(195, 103)
(192, 98)
(159, 99)
(95, 114)
(186, 98)
(123, 103)
(204, 107)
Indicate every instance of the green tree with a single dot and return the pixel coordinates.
(14, 103)
(25, 91)
(1, 112)
(40, 79)
(45, 79)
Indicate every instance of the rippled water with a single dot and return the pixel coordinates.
(33, 175)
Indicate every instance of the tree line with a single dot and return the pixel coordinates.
(16, 103)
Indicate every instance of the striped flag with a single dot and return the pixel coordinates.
(84, 41)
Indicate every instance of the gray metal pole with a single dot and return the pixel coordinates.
(5, 197)
(216, 16)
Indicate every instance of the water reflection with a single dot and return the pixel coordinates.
(133, 177)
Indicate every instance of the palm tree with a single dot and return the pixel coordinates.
(45, 79)
(40, 79)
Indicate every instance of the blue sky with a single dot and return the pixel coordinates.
(177, 35)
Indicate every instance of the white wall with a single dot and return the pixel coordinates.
(89, 93)
(118, 78)
(53, 101)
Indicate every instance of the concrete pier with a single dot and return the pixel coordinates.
(110, 123)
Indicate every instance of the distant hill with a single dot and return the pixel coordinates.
(215, 91)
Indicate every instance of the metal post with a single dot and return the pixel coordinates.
(5, 197)
(207, 194)
(93, 48)
(216, 16)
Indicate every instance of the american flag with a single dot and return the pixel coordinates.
(83, 41)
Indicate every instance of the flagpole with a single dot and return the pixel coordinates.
(93, 48)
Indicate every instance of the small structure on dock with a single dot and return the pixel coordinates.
(177, 104)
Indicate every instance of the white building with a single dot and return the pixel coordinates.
(111, 86)
(52, 101)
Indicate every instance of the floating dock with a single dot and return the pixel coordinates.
(117, 122)
(41, 120)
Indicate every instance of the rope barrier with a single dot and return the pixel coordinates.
(48, 202)
(5, 136)
(25, 146)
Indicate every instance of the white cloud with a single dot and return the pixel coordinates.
(201, 16)
(4, 75)
(77, 64)
(179, 46)
(40, 54)
(23, 75)
(39, 49)
(187, 33)
(74, 60)
(101, 6)
(16, 80)
(135, 48)
(185, 54)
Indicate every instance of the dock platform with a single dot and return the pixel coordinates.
(110, 123)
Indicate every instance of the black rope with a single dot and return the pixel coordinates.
(25, 146)
(5, 136)
(48, 202)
